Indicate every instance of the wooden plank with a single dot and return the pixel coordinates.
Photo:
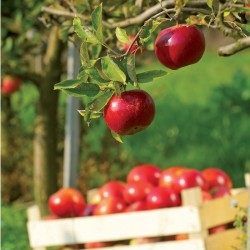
(114, 227)
(51, 233)
(222, 210)
(193, 197)
(33, 214)
(194, 244)
(152, 223)
(225, 240)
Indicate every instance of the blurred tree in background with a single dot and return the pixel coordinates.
(34, 48)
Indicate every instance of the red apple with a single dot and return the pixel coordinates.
(134, 49)
(206, 196)
(169, 175)
(100, 244)
(136, 191)
(129, 113)
(216, 177)
(219, 192)
(161, 197)
(112, 188)
(110, 205)
(67, 202)
(179, 46)
(145, 172)
(188, 179)
(136, 206)
(181, 237)
(218, 229)
(10, 84)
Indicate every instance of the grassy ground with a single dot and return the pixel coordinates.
(13, 228)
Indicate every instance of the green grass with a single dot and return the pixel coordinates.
(193, 84)
(13, 228)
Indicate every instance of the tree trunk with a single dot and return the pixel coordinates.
(45, 135)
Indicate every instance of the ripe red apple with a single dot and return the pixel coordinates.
(10, 84)
(112, 188)
(100, 244)
(179, 46)
(216, 177)
(218, 229)
(134, 49)
(190, 178)
(169, 175)
(136, 206)
(110, 205)
(161, 197)
(136, 191)
(146, 172)
(130, 113)
(181, 237)
(67, 202)
(219, 192)
(206, 196)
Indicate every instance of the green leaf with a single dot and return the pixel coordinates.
(94, 74)
(112, 70)
(99, 103)
(79, 29)
(84, 34)
(97, 22)
(91, 38)
(116, 136)
(92, 115)
(210, 4)
(117, 88)
(150, 76)
(131, 67)
(82, 75)
(96, 50)
(121, 35)
(67, 84)
(84, 55)
(86, 89)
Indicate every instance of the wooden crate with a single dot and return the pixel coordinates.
(193, 218)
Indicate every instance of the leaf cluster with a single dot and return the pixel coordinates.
(102, 75)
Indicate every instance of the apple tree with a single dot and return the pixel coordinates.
(109, 35)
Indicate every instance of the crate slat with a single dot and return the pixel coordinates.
(194, 244)
(114, 227)
(221, 211)
(137, 224)
(226, 240)
(51, 233)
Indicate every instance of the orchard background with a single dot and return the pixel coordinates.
(202, 110)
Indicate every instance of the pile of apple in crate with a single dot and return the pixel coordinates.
(177, 208)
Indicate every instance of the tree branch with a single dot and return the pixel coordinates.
(131, 21)
(233, 48)
(57, 12)
(150, 12)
